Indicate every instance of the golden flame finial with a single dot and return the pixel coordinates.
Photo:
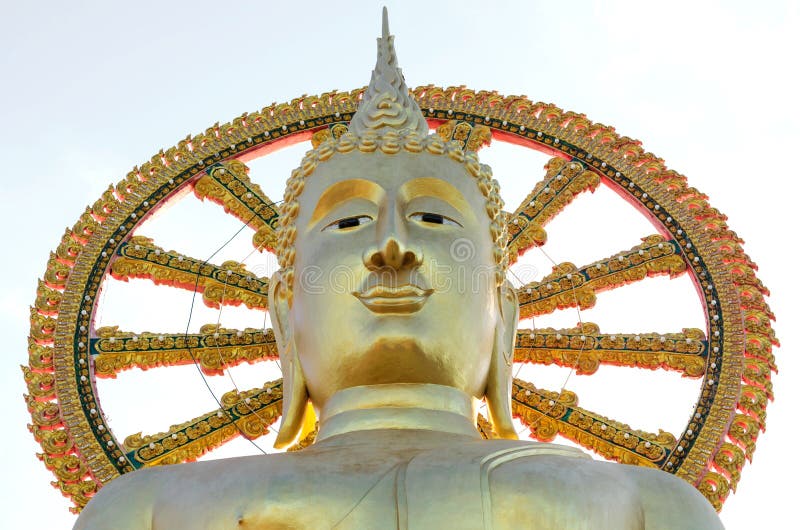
(386, 103)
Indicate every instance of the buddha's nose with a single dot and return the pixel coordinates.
(393, 254)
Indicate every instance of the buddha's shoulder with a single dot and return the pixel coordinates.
(547, 477)
(522, 465)
(135, 497)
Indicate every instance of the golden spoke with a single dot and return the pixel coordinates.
(229, 284)
(214, 349)
(248, 413)
(228, 185)
(585, 349)
(568, 286)
(563, 181)
(549, 413)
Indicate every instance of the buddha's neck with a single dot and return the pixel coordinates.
(407, 406)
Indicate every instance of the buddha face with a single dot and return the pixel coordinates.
(389, 264)
(394, 275)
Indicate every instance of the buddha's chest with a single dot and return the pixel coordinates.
(489, 491)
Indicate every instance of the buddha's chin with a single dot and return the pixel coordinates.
(396, 360)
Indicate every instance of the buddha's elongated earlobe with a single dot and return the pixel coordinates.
(498, 386)
(295, 400)
(295, 393)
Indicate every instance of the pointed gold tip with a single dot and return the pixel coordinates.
(387, 103)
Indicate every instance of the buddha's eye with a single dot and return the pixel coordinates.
(433, 218)
(349, 222)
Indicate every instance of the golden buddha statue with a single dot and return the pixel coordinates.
(395, 338)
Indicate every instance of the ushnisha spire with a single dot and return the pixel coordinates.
(387, 104)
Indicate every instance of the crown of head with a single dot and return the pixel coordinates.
(388, 120)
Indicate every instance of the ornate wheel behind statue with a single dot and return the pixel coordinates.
(74, 358)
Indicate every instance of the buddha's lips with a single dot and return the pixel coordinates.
(388, 299)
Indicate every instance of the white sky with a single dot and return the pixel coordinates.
(90, 89)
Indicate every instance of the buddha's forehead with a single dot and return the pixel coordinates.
(392, 173)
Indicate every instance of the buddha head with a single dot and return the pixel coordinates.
(392, 252)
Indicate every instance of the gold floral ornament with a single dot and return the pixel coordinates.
(731, 358)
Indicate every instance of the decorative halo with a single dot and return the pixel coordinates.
(732, 356)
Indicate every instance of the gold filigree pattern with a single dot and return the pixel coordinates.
(41, 385)
(584, 348)
(715, 487)
(485, 428)
(229, 185)
(332, 132)
(47, 299)
(468, 136)
(213, 349)
(80, 491)
(563, 181)
(568, 286)
(229, 284)
(248, 413)
(55, 442)
(729, 460)
(738, 355)
(550, 413)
